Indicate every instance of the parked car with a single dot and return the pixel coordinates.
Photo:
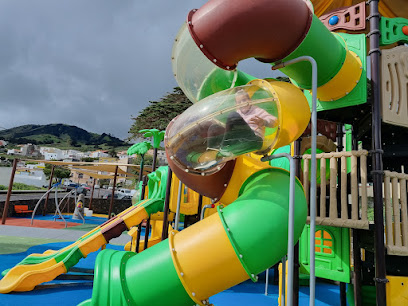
(118, 196)
(71, 186)
(86, 187)
(126, 191)
(97, 187)
(82, 189)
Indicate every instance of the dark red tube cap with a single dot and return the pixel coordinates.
(228, 31)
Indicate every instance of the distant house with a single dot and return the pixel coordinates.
(3, 143)
(51, 156)
(108, 159)
(13, 152)
(161, 157)
(30, 150)
(81, 178)
(52, 153)
(123, 155)
(98, 154)
(71, 155)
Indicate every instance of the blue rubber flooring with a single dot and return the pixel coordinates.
(68, 218)
(244, 294)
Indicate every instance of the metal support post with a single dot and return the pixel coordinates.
(312, 175)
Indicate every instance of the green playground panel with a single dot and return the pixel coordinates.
(357, 44)
(368, 295)
(332, 253)
(349, 144)
(220, 79)
(325, 48)
(282, 162)
(391, 30)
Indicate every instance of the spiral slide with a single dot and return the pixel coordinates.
(38, 268)
(214, 254)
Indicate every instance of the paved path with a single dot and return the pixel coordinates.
(29, 196)
(58, 234)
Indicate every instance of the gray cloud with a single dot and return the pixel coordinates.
(90, 63)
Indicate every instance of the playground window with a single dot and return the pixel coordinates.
(323, 243)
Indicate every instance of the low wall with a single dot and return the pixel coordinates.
(99, 206)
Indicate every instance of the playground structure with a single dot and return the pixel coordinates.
(58, 204)
(335, 201)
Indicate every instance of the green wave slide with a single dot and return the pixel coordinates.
(38, 268)
(237, 243)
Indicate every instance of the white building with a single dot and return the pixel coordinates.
(13, 152)
(161, 157)
(123, 156)
(52, 153)
(52, 156)
(98, 154)
(72, 154)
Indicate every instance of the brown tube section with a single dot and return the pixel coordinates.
(212, 186)
(228, 31)
(114, 229)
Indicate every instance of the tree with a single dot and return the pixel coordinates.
(89, 159)
(104, 182)
(72, 142)
(159, 113)
(112, 152)
(59, 172)
(147, 160)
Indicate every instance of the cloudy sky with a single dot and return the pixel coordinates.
(89, 63)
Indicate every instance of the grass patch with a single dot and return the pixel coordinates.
(11, 245)
(21, 186)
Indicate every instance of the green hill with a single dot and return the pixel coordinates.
(59, 135)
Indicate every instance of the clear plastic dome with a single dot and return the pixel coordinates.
(225, 125)
(196, 75)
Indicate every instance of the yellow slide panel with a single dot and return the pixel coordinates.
(130, 208)
(26, 277)
(344, 81)
(92, 244)
(155, 237)
(397, 290)
(245, 166)
(135, 217)
(205, 259)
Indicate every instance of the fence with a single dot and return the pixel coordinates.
(396, 217)
(330, 212)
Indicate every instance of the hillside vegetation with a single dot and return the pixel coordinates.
(61, 136)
